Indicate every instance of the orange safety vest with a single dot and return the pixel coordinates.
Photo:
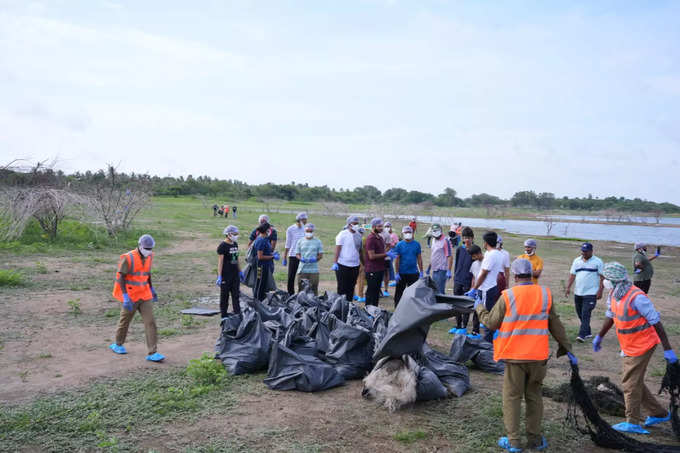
(137, 278)
(523, 335)
(635, 334)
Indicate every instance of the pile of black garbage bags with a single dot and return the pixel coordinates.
(312, 343)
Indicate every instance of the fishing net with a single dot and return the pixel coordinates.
(600, 431)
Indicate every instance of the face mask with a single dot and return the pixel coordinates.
(408, 236)
(145, 252)
(352, 227)
(437, 234)
(233, 238)
(531, 252)
(608, 284)
(309, 235)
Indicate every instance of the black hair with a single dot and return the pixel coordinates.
(474, 250)
(263, 227)
(467, 232)
(491, 238)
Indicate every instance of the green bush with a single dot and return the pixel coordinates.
(9, 277)
(206, 371)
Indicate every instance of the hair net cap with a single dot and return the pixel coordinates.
(499, 239)
(231, 229)
(263, 218)
(639, 245)
(352, 219)
(361, 230)
(376, 221)
(530, 243)
(436, 227)
(310, 226)
(388, 224)
(301, 216)
(521, 266)
(146, 241)
(615, 272)
(407, 229)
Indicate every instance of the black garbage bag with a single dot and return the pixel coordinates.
(273, 315)
(381, 319)
(455, 376)
(243, 346)
(359, 317)
(480, 352)
(418, 309)
(321, 331)
(350, 350)
(339, 306)
(429, 387)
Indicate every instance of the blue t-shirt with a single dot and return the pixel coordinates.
(408, 256)
(262, 243)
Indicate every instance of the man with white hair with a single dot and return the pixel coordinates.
(347, 258)
(642, 276)
(272, 235)
(294, 233)
(535, 260)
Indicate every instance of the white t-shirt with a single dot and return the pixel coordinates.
(349, 255)
(492, 263)
(506, 259)
(475, 267)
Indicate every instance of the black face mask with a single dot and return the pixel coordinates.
(452, 234)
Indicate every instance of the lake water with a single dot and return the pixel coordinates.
(623, 218)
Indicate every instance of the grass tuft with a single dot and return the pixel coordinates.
(409, 437)
(9, 277)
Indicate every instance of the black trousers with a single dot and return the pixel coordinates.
(347, 278)
(373, 282)
(643, 285)
(462, 319)
(293, 264)
(404, 281)
(261, 283)
(490, 298)
(230, 285)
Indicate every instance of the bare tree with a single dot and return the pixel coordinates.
(657, 215)
(549, 224)
(16, 209)
(50, 206)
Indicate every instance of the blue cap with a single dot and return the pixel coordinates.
(586, 247)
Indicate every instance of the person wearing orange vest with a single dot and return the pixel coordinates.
(639, 330)
(134, 289)
(522, 318)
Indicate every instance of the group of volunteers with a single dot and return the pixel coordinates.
(517, 319)
(223, 210)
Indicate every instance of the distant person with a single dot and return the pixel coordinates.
(586, 271)
(347, 258)
(413, 225)
(643, 269)
(441, 258)
(454, 237)
(477, 256)
(294, 233)
(503, 277)
(226, 211)
(272, 235)
(229, 275)
(374, 261)
(309, 252)
(266, 256)
(360, 286)
(462, 278)
(389, 269)
(536, 261)
(233, 209)
(215, 208)
(408, 263)
(394, 240)
(134, 289)
(487, 281)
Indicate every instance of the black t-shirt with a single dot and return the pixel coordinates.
(230, 264)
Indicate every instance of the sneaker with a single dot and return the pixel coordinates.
(385, 294)
(155, 357)
(588, 337)
(118, 349)
(580, 340)
(504, 443)
(651, 421)
(626, 427)
(393, 283)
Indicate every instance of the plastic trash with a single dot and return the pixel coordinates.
(243, 346)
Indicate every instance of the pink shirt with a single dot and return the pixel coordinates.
(441, 250)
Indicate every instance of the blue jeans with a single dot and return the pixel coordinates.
(391, 269)
(439, 278)
(584, 306)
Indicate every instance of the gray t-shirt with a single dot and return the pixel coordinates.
(647, 268)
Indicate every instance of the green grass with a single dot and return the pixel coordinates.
(9, 277)
(409, 437)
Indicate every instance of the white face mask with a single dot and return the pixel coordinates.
(437, 234)
(531, 252)
(352, 227)
(145, 252)
(233, 238)
(309, 235)
(608, 284)
(408, 236)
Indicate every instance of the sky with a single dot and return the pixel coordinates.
(573, 98)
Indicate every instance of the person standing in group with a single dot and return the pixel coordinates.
(408, 263)
(294, 233)
(266, 256)
(523, 318)
(347, 258)
(389, 269)
(454, 237)
(639, 330)
(374, 261)
(226, 211)
(394, 240)
(586, 272)
(134, 289)
(413, 225)
(233, 209)
(504, 277)
(360, 286)
(229, 275)
(536, 261)
(272, 235)
(309, 252)
(643, 269)
(486, 283)
(477, 256)
(215, 208)
(441, 258)
(462, 278)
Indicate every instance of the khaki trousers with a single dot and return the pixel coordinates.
(523, 380)
(145, 308)
(313, 282)
(361, 282)
(635, 393)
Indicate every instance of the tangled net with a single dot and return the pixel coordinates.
(600, 430)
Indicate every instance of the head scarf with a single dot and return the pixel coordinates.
(616, 273)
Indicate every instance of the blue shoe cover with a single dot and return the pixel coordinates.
(542, 446)
(155, 357)
(453, 330)
(504, 443)
(474, 336)
(393, 283)
(461, 331)
(626, 427)
(356, 297)
(651, 421)
(386, 294)
(118, 349)
(362, 299)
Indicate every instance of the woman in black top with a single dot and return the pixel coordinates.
(229, 275)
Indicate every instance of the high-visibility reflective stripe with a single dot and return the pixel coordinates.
(139, 274)
(624, 316)
(134, 283)
(132, 261)
(514, 332)
(536, 317)
(634, 329)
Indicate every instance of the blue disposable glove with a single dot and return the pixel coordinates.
(303, 260)
(392, 254)
(427, 271)
(637, 271)
(154, 295)
(473, 293)
(448, 275)
(397, 277)
(670, 356)
(311, 260)
(334, 267)
(572, 358)
(597, 343)
(421, 274)
(478, 301)
(241, 276)
(127, 303)
(285, 261)
(276, 256)
(657, 253)
(219, 280)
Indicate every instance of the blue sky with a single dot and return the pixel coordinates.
(565, 97)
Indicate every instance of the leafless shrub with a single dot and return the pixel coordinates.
(549, 224)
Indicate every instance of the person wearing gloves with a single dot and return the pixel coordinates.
(523, 318)
(643, 269)
(536, 261)
(408, 263)
(394, 240)
(639, 330)
(272, 235)
(374, 261)
(586, 272)
(503, 279)
(265, 257)
(347, 257)
(134, 289)
(309, 252)
(229, 275)
(294, 233)
(389, 268)
(462, 277)
(441, 258)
